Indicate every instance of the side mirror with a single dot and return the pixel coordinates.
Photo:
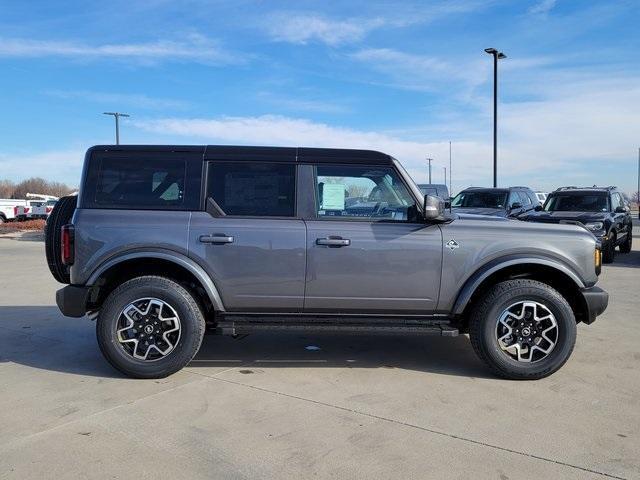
(447, 204)
(516, 205)
(621, 210)
(433, 208)
(538, 208)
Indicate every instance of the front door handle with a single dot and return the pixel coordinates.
(334, 242)
(216, 239)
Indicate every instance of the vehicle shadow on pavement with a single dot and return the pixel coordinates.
(631, 259)
(39, 337)
(429, 354)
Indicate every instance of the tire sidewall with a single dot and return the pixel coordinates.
(558, 356)
(191, 328)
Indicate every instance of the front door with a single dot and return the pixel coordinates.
(249, 239)
(366, 250)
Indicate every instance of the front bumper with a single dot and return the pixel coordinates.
(596, 301)
(72, 300)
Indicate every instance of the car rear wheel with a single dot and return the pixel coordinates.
(523, 329)
(150, 327)
(627, 245)
(60, 216)
(609, 250)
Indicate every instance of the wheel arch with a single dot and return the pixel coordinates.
(173, 265)
(548, 271)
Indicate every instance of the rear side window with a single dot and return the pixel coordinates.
(151, 184)
(257, 189)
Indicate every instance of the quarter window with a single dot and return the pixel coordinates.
(257, 189)
(361, 192)
(152, 184)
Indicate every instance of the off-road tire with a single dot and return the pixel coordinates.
(192, 326)
(609, 250)
(628, 242)
(60, 216)
(484, 317)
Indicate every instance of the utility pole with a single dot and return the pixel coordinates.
(117, 116)
(450, 174)
(638, 192)
(496, 56)
(429, 160)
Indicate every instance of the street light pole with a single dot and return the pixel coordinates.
(429, 160)
(117, 116)
(496, 56)
(445, 175)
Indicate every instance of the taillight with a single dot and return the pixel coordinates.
(67, 245)
(49, 209)
(15, 211)
(597, 260)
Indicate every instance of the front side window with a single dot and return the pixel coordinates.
(577, 202)
(524, 199)
(480, 199)
(155, 183)
(258, 189)
(361, 192)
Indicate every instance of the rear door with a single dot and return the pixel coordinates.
(367, 251)
(248, 237)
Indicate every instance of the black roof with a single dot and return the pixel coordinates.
(251, 153)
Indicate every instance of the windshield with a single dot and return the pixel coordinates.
(480, 199)
(577, 202)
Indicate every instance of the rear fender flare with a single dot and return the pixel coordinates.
(484, 272)
(181, 260)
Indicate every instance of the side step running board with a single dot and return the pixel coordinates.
(239, 324)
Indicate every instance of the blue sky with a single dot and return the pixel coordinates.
(402, 77)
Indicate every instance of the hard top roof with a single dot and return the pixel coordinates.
(257, 153)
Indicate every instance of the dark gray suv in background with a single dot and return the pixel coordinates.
(165, 243)
(501, 202)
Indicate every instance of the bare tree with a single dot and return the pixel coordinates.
(6, 188)
(40, 185)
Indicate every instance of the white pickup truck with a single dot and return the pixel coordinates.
(9, 208)
(37, 206)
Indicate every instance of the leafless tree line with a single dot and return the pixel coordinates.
(9, 189)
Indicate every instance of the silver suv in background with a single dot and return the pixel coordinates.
(164, 243)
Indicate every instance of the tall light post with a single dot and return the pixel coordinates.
(117, 116)
(496, 56)
(445, 175)
(429, 160)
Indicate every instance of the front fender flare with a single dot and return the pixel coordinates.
(181, 260)
(495, 265)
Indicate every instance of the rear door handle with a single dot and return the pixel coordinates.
(334, 242)
(216, 239)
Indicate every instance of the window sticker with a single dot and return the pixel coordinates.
(333, 196)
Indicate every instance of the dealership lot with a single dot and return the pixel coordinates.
(296, 406)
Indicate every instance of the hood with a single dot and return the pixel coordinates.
(495, 212)
(557, 217)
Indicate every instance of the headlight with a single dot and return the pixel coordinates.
(594, 226)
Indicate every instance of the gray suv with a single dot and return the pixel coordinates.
(165, 243)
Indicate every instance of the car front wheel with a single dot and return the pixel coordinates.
(522, 329)
(150, 327)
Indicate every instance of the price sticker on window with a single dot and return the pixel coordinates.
(333, 196)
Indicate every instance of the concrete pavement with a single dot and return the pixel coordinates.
(265, 406)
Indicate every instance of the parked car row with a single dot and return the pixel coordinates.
(604, 211)
(34, 206)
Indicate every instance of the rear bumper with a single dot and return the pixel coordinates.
(596, 300)
(72, 300)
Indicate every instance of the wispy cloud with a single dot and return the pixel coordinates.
(194, 47)
(421, 72)
(542, 7)
(305, 28)
(121, 100)
(59, 165)
(303, 104)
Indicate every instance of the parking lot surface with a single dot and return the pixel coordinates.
(301, 406)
